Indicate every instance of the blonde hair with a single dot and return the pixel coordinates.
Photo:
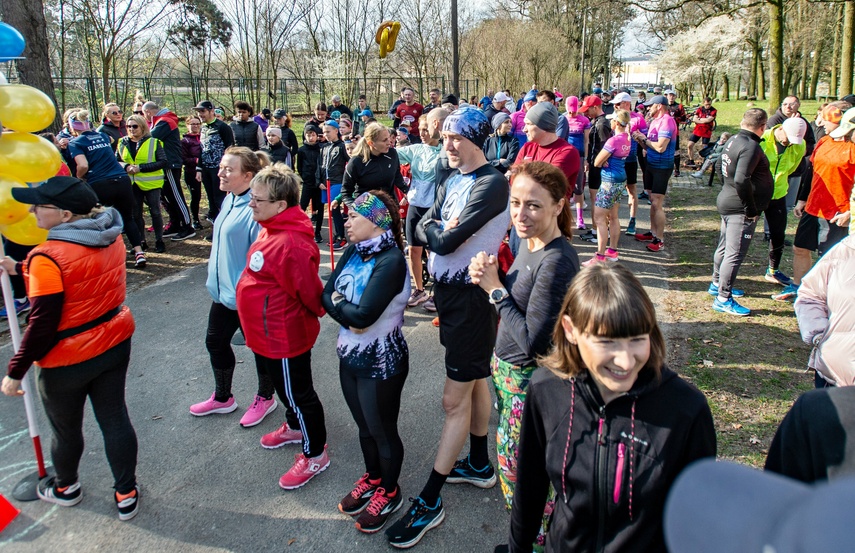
(621, 117)
(363, 149)
(142, 123)
(281, 182)
(107, 109)
(250, 161)
(263, 159)
(604, 300)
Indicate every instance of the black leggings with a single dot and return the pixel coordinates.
(312, 194)
(776, 217)
(195, 188)
(118, 193)
(211, 182)
(293, 381)
(222, 325)
(374, 404)
(64, 391)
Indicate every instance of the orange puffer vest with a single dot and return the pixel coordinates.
(93, 281)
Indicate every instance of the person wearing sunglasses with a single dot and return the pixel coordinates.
(113, 124)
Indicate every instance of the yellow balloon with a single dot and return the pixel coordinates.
(26, 232)
(25, 109)
(28, 157)
(11, 210)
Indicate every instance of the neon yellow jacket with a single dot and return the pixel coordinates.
(783, 165)
(147, 151)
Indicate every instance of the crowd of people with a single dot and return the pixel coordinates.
(593, 427)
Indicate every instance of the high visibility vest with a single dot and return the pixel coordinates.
(146, 181)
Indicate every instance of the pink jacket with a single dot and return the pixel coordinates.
(825, 309)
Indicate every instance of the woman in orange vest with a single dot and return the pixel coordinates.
(79, 335)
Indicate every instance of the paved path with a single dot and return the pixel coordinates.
(207, 483)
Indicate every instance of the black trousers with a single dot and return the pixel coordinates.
(64, 391)
(776, 218)
(292, 379)
(312, 194)
(211, 182)
(375, 404)
(195, 188)
(118, 193)
(222, 325)
(173, 198)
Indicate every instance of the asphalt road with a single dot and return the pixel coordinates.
(207, 483)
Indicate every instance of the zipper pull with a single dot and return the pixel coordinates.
(600, 439)
(621, 454)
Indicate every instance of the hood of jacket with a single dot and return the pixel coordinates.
(165, 115)
(292, 219)
(107, 123)
(97, 232)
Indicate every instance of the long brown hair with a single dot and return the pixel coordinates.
(604, 300)
(553, 180)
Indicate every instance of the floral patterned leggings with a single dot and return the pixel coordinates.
(511, 382)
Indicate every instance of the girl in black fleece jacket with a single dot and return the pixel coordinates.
(606, 423)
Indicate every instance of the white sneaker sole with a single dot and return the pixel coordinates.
(406, 545)
(277, 446)
(320, 470)
(218, 411)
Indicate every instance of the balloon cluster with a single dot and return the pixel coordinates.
(24, 157)
(386, 36)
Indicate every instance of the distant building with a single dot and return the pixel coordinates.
(637, 72)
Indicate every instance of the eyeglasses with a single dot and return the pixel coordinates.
(42, 206)
(116, 112)
(132, 126)
(256, 199)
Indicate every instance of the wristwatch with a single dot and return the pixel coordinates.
(498, 295)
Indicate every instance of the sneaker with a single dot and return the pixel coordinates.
(589, 236)
(140, 260)
(318, 238)
(691, 163)
(21, 306)
(378, 511)
(777, 277)
(463, 473)
(129, 506)
(429, 305)
(645, 237)
(211, 406)
(159, 247)
(676, 172)
(611, 255)
(197, 225)
(357, 500)
(149, 229)
(580, 225)
(734, 292)
(339, 244)
(144, 246)
(259, 409)
(656, 246)
(630, 229)
(303, 470)
(698, 175)
(281, 436)
(68, 496)
(643, 195)
(184, 234)
(170, 230)
(594, 260)
(210, 218)
(730, 307)
(416, 298)
(789, 293)
(412, 527)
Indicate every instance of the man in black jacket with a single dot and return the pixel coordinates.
(215, 137)
(745, 194)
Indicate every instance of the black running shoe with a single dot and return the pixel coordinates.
(412, 527)
(170, 230)
(379, 509)
(357, 500)
(130, 506)
(68, 496)
(463, 473)
(184, 234)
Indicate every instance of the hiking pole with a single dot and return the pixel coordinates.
(25, 490)
(330, 225)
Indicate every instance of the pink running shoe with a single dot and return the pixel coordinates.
(303, 470)
(259, 409)
(598, 258)
(211, 406)
(281, 436)
(611, 255)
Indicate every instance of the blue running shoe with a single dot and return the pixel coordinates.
(630, 228)
(730, 307)
(789, 293)
(412, 527)
(777, 277)
(20, 306)
(464, 473)
(734, 292)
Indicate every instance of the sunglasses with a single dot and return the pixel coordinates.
(116, 112)
(133, 126)
(138, 113)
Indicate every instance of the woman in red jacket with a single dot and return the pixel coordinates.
(279, 304)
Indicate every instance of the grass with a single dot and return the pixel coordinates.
(730, 113)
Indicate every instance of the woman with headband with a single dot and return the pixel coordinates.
(367, 295)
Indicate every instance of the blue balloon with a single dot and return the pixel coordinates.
(12, 42)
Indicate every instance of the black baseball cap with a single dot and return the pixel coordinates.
(204, 104)
(449, 99)
(280, 113)
(67, 193)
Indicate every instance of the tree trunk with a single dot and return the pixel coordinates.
(834, 80)
(761, 76)
(776, 54)
(752, 72)
(725, 89)
(847, 51)
(455, 51)
(817, 67)
(28, 17)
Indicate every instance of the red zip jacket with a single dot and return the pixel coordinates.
(279, 292)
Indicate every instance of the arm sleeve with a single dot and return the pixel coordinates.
(228, 136)
(397, 177)
(701, 440)
(513, 151)
(431, 215)
(789, 453)
(532, 330)
(262, 139)
(485, 202)
(532, 479)
(805, 184)
(300, 278)
(39, 338)
(186, 158)
(348, 183)
(329, 288)
(160, 160)
(745, 164)
(386, 282)
(812, 303)
(293, 145)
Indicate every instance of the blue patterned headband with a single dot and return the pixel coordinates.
(372, 208)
